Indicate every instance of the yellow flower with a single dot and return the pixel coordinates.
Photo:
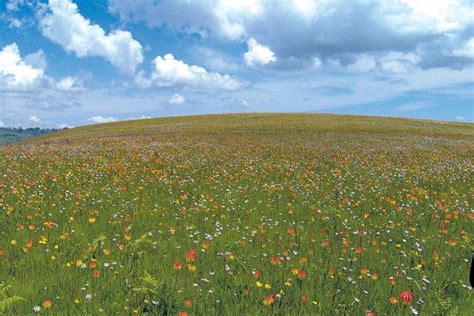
(77, 301)
(268, 286)
(13, 242)
(259, 284)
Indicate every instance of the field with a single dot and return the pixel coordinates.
(257, 214)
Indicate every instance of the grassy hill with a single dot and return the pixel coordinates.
(248, 213)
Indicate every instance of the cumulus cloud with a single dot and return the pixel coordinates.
(397, 63)
(16, 73)
(1, 124)
(100, 119)
(64, 25)
(171, 72)
(298, 31)
(177, 99)
(258, 54)
(466, 50)
(34, 119)
(222, 18)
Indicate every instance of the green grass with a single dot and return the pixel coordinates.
(319, 214)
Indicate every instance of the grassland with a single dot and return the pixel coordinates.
(282, 214)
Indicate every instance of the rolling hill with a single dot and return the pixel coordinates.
(256, 214)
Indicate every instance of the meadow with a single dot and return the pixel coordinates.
(254, 214)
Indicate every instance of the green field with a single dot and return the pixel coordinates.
(254, 214)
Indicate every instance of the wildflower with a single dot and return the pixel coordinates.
(452, 242)
(28, 244)
(47, 304)
(91, 220)
(77, 301)
(95, 274)
(303, 298)
(191, 267)
(183, 313)
(268, 286)
(36, 309)
(259, 284)
(92, 264)
(406, 297)
(370, 313)
(275, 260)
(191, 255)
(295, 271)
(177, 265)
(302, 275)
(268, 300)
(393, 300)
(188, 303)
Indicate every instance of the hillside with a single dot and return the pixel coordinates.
(245, 213)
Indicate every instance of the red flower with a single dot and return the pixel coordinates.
(302, 275)
(406, 297)
(177, 265)
(191, 254)
(304, 298)
(275, 260)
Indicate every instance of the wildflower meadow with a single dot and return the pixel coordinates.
(256, 214)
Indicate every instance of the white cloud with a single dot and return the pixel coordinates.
(467, 50)
(100, 119)
(299, 30)
(258, 54)
(1, 124)
(414, 106)
(177, 99)
(169, 72)
(64, 25)
(398, 63)
(460, 118)
(16, 73)
(34, 119)
(69, 84)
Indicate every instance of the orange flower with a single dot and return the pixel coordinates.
(47, 304)
(291, 231)
(393, 300)
(304, 298)
(28, 244)
(188, 303)
(177, 265)
(359, 250)
(268, 300)
(92, 264)
(191, 267)
(452, 242)
(95, 274)
(183, 314)
(91, 220)
(2, 251)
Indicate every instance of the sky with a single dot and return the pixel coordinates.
(66, 63)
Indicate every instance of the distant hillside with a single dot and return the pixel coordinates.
(13, 135)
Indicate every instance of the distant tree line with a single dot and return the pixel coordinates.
(36, 131)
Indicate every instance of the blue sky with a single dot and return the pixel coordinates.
(70, 63)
